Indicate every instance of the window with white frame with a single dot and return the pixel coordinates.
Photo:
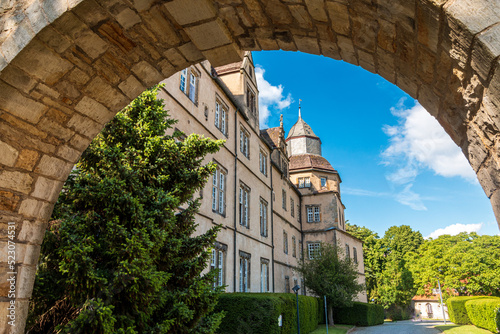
(313, 250)
(264, 275)
(304, 182)
(251, 101)
(219, 190)
(313, 214)
(263, 162)
(244, 205)
(355, 254)
(245, 142)
(285, 242)
(189, 83)
(263, 218)
(244, 272)
(221, 116)
(283, 199)
(323, 183)
(294, 246)
(347, 251)
(218, 263)
(292, 207)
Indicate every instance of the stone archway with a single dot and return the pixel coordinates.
(67, 67)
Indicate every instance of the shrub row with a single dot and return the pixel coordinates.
(257, 313)
(360, 314)
(457, 310)
(484, 313)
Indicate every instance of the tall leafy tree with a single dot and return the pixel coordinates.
(466, 264)
(121, 256)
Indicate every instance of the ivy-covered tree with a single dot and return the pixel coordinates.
(120, 255)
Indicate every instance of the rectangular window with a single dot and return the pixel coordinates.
(287, 284)
(283, 199)
(313, 214)
(292, 207)
(301, 252)
(323, 183)
(251, 103)
(244, 203)
(264, 275)
(244, 142)
(193, 87)
(355, 254)
(221, 116)
(347, 251)
(302, 286)
(304, 182)
(219, 191)
(183, 86)
(263, 162)
(313, 250)
(285, 242)
(244, 272)
(284, 167)
(218, 263)
(263, 218)
(189, 83)
(294, 247)
(295, 282)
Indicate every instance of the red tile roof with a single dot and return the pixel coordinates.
(306, 161)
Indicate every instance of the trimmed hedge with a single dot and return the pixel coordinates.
(360, 314)
(484, 313)
(457, 310)
(257, 313)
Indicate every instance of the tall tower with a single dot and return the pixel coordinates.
(316, 179)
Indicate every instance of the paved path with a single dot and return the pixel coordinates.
(400, 327)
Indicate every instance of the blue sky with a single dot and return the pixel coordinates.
(396, 163)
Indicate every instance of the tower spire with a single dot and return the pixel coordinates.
(299, 108)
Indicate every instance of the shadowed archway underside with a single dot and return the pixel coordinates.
(68, 66)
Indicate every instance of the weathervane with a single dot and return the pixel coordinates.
(300, 100)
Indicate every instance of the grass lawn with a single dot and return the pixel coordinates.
(338, 329)
(459, 329)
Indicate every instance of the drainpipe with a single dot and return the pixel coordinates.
(272, 218)
(235, 193)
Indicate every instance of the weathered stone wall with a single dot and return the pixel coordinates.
(67, 66)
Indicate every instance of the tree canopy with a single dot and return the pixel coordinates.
(120, 255)
(333, 275)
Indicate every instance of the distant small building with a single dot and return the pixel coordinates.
(429, 307)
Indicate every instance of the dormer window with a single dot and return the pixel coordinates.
(284, 167)
(323, 183)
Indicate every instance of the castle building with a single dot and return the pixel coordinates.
(275, 197)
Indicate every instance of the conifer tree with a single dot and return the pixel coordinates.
(120, 255)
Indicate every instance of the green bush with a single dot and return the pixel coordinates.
(360, 314)
(396, 313)
(257, 313)
(483, 313)
(457, 310)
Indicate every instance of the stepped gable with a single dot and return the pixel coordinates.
(310, 161)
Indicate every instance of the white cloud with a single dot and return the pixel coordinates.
(455, 229)
(363, 192)
(419, 142)
(270, 97)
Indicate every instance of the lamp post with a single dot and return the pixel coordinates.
(296, 290)
(441, 296)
